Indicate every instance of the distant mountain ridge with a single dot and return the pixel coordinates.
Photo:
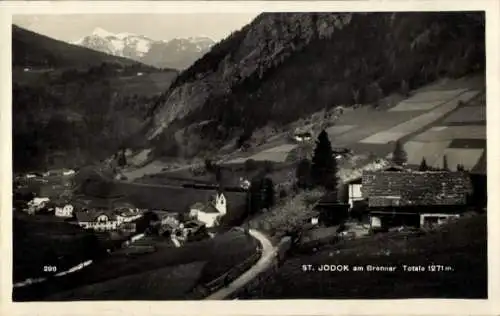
(178, 53)
(31, 49)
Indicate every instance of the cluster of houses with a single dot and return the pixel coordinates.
(201, 219)
(182, 212)
(398, 196)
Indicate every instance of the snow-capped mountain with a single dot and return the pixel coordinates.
(178, 53)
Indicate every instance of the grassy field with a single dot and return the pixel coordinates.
(468, 114)
(445, 133)
(367, 122)
(147, 84)
(168, 283)
(275, 154)
(461, 245)
(468, 157)
(231, 173)
(219, 253)
(426, 100)
(476, 81)
(432, 151)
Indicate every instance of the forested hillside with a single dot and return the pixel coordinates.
(285, 65)
(72, 105)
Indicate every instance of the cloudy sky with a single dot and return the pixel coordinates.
(70, 27)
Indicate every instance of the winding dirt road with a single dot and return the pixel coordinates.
(268, 254)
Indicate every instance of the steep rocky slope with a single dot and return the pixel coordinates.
(284, 65)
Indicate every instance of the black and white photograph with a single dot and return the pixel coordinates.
(260, 155)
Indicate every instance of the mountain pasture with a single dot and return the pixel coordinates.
(368, 122)
(417, 123)
(426, 100)
(467, 114)
(452, 132)
(147, 83)
(337, 130)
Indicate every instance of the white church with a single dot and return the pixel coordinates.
(210, 213)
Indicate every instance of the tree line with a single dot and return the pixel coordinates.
(319, 172)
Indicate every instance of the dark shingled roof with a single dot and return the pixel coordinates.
(209, 208)
(416, 188)
(91, 216)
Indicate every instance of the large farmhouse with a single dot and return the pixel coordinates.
(105, 214)
(396, 197)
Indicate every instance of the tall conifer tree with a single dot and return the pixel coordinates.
(324, 165)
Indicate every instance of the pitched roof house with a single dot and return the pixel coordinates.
(410, 188)
(65, 210)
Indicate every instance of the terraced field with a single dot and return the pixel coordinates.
(455, 128)
(411, 126)
(427, 100)
(467, 114)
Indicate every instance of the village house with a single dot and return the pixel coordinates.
(37, 204)
(64, 210)
(126, 212)
(210, 212)
(128, 227)
(97, 220)
(414, 197)
(68, 172)
(354, 193)
(190, 230)
(244, 183)
(302, 136)
(167, 222)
